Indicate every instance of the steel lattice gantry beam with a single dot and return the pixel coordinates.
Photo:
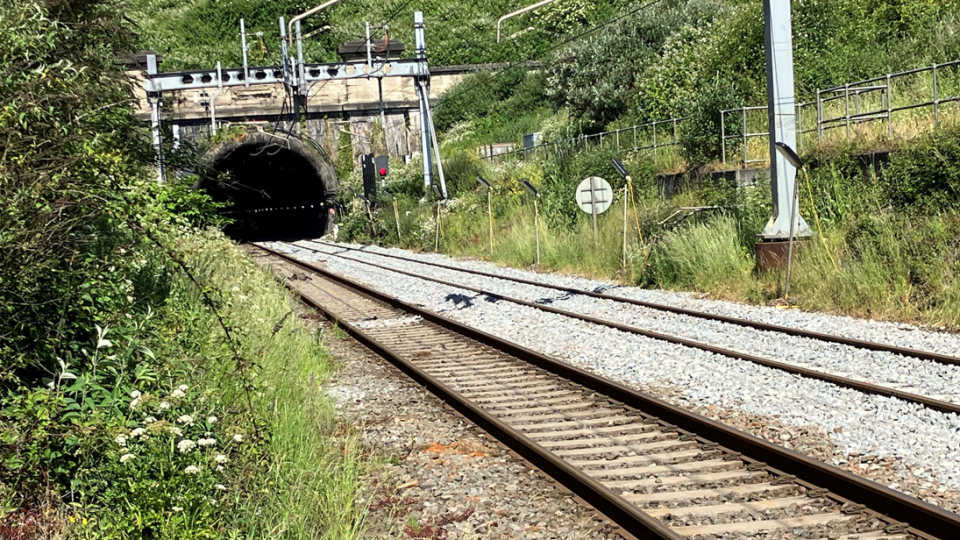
(298, 76)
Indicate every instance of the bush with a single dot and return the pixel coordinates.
(700, 138)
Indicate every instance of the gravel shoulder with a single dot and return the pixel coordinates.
(898, 444)
(437, 475)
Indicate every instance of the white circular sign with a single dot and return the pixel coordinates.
(594, 192)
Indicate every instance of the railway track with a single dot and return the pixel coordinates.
(914, 396)
(747, 323)
(656, 470)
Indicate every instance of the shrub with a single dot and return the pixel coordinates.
(700, 138)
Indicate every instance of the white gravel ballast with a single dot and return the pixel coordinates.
(926, 441)
(923, 377)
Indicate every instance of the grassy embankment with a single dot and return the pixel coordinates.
(154, 382)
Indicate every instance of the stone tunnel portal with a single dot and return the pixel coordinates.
(274, 188)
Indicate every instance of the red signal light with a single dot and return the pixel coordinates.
(383, 171)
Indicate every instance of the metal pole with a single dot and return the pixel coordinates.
(301, 68)
(799, 128)
(593, 208)
(243, 44)
(793, 210)
(819, 117)
(743, 111)
(437, 247)
(634, 137)
(536, 226)
(157, 141)
(654, 139)
(176, 136)
(889, 107)
(436, 146)
(421, 51)
(490, 216)
(936, 101)
(396, 214)
(723, 139)
(618, 137)
(213, 101)
(625, 225)
(369, 56)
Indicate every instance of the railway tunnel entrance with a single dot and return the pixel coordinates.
(275, 187)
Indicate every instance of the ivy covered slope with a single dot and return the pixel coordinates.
(198, 33)
(152, 378)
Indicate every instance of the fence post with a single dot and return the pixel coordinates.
(936, 101)
(846, 106)
(618, 141)
(819, 117)
(799, 127)
(889, 107)
(723, 139)
(743, 110)
(654, 139)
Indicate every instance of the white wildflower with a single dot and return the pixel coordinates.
(192, 469)
(135, 394)
(177, 508)
(206, 442)
(164, 405)
(177, 394)
(135, 403)
(126, 457)
(149, 420)
(183, 388)
(121, 439)
(221, 468)
(212, 419)
(238, 438)
(221, 459)
(175, 430)
(138, 432)
(235, 289)
(185, 419)
(186, 445)
(221, 487)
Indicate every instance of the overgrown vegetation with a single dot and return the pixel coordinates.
(154, 382)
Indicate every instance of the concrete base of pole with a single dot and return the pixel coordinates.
(772, 254)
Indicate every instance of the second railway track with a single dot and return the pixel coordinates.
(860, 382)
(655, 469)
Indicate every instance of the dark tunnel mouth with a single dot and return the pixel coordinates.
(270, 191)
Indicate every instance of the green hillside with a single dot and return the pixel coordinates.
(198, 33)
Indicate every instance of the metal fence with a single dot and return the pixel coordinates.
(649, 136)
(847, 106)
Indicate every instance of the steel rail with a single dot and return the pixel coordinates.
(868, 388)
(853, 342)
(896, 508)
(626, 515)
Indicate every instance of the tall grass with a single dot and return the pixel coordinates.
(703, 257)
(308, 476)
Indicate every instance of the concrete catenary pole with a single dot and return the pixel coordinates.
(781, 111)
